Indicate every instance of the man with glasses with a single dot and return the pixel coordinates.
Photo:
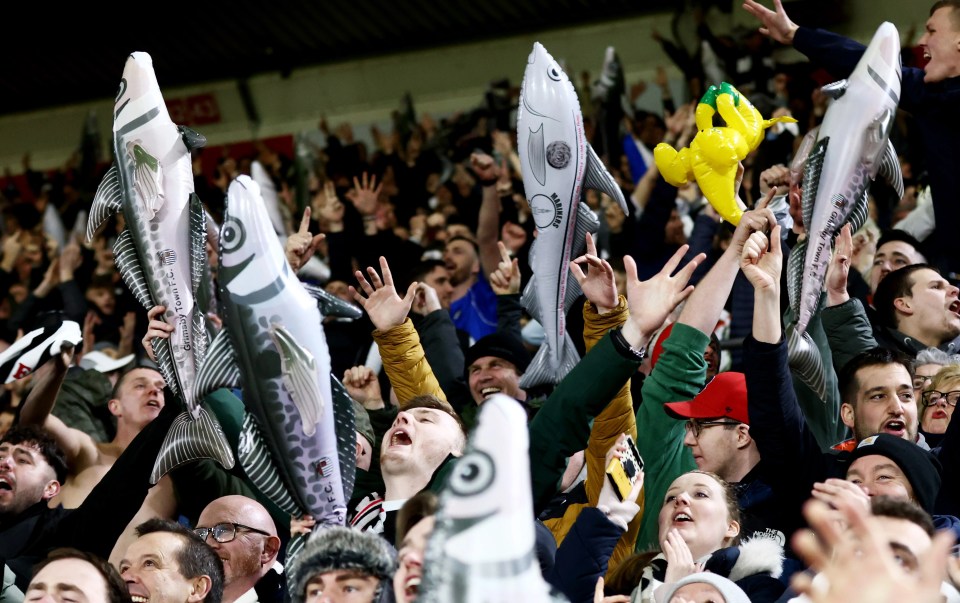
(244, 536)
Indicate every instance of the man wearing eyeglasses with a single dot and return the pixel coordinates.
(244, 536)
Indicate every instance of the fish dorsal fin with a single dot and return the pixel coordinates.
(529, 298)
(220, 367)
(835, 90)
(587, 221)
(599, 179)
(161, 349)
(811, 179)
(795, 275)
(537, 155)
(888, 168)
(859, 213)
(198, 242)
(191, 138)
(331, 305)
(128, 263)
(299, 376)
(106, 202)
(190, 439)
(806, 363)
(345, 426)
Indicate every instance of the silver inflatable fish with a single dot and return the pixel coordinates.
(273, 345)
(161, 254)
(557, 163)
(483, 547)
(851, 147)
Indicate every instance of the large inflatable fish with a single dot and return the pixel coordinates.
(161, 254)
(483, 547)
(273, 345)
(557, 163)
(851, 147)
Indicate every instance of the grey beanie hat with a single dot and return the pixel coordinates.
(362, 421)
(339, 548)
(730, 591)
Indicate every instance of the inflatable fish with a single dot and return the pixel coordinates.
(273, 346)
(557, 164)
(161, 254)
(850, 148)
(483, 547)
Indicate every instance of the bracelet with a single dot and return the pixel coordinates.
(623, 346)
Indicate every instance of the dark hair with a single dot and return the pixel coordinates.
(419, 272)
(431, 401)
(847, 379)
(195, 558)
(899, 235)
(476, 248)
(41, 439)
(623, 579)
(895, 285)
(419, 507)
(116, 588)
(884, 506)
(115, 394)
(954, 16)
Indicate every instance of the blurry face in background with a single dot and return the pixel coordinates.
(340, 289)
(103, 298)
(891, 256)
(673, 233)
(406, 581)
(439, 279)
(461, 260)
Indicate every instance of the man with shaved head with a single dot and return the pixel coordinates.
(244, 536)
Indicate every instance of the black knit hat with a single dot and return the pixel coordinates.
(921, 468)
(499, 345)
(339, 548)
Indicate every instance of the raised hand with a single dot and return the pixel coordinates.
(651, 301)
(760, 264)
(484, 167)
(838, 270)
(505, 280)
(776, 24)
(328, 207)
(155, 328)
(301, 245)
(680, 562)
(385, 308)
(598, 284)
(759, 219)
(365, 194)
(362, 385)
(426, 300)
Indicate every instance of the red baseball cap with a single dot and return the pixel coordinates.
(724, 396)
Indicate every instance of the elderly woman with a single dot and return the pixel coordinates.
(937, 403)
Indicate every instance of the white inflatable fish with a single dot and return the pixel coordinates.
(161, 254)
(483, 548)
(557, 163)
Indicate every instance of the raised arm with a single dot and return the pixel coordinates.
(79, 448)
(488, 221)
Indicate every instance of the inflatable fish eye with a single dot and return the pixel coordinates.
(232, 235)
(553, 72)
(121, 89)
(473, 474)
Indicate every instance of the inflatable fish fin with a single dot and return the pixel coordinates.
(806, 363)
(889, 169)
(835, 90)
(795, 275)
(537, 154)
(220, 368)
(198, 241)
(36, 347)
(191, 138)
(148, 180)
(191, 439)
(331, 305)
(587, 221)
(529, 298)
(106, 202)
(597, 177)
(875, 144)
(811, 179)
(260, 468)
(161, 349)
(128, 263)
(345, 426)
(859, 214)
(299, 378)
(540, 370)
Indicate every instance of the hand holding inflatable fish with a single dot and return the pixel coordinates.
(713, 154)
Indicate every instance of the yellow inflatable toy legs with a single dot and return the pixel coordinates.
(712, 157)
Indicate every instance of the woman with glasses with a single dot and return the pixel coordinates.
(937, 403)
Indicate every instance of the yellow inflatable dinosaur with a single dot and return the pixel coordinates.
(713, 154)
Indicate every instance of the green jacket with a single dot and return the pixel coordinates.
(679, 375)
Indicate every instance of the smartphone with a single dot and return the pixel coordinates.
(623, 472)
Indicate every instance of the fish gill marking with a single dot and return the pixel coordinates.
(136, 123)
(533, 111)
(537, 155)
(883, 84)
